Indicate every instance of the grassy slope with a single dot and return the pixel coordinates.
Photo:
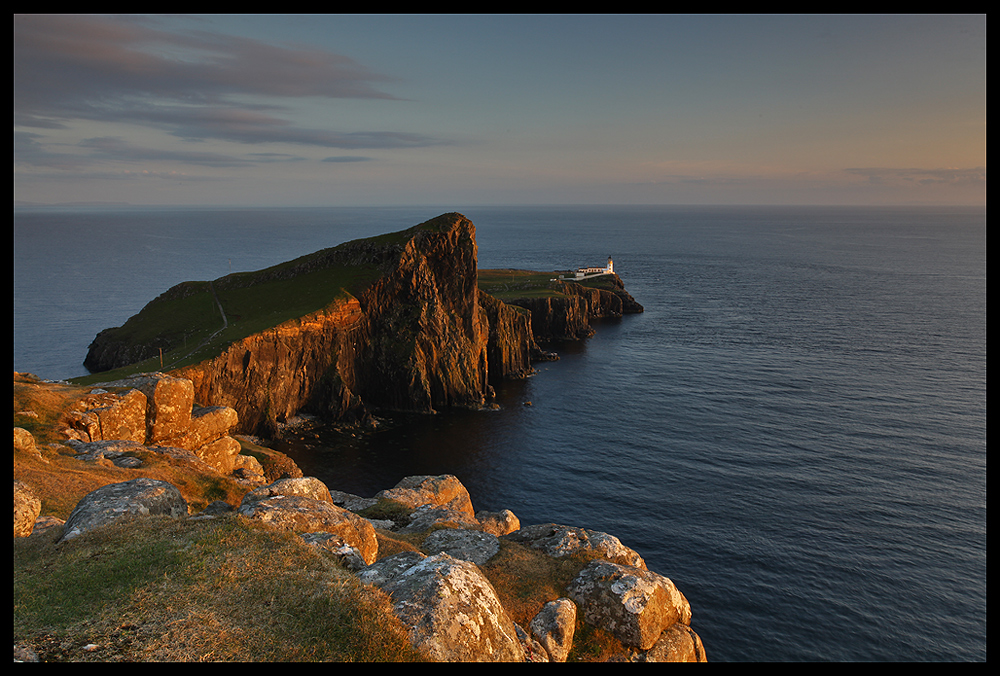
(187, 318)
(252, 302)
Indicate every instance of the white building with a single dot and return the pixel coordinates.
(592, 272)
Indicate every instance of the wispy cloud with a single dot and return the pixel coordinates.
(890, 176)
(194, 85)
(112, 147)
(346, 158)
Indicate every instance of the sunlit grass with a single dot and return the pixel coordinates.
(161, 589)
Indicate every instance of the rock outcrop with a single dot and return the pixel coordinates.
(154, 410)
(452, 610)
(304, 505)
(441, 592)
(568, 316)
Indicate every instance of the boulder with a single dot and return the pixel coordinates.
(307, 487)
(428, 516)
(452, 611)
(349, 501)
(248, 471)
(533, 650)
(168, 412)
(498, 523)
(384, 571)
(468, 545)
(553, 627)
(634, 604)
(558, 541)
(24, 441)
(207, 425)
(121, 416)
(309, 515)
(122, 501)
(677, 643)
(439, 491)
(27, 507)
(112, 449)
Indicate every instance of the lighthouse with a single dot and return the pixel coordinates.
(611, 266)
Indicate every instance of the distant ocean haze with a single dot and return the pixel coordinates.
(793, 431)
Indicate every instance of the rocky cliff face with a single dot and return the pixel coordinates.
(567, 317)
(418, 339)
(421, 337)
(306, 364)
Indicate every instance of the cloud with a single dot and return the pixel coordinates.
(194, 85)
(30, 151)
(975, 176)
(113, 147)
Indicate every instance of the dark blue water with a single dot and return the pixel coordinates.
(794, 431)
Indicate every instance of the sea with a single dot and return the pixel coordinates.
(794, 431)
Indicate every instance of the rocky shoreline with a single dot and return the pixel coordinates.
(438, 591)
(421, 338)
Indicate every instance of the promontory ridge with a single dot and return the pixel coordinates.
(399, 322)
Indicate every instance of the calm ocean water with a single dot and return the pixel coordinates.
(794, 431)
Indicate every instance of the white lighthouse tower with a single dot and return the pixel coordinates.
(611, 266)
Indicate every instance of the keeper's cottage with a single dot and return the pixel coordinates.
(592, 272)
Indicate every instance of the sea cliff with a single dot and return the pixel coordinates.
(404, 327)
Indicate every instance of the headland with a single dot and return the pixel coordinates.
(191, 540)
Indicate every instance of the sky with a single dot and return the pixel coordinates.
(507, 109)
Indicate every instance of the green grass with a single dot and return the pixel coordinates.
(161, 589)
(509, 284)
(253, 302)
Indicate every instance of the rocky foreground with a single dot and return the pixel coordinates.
(439, 592)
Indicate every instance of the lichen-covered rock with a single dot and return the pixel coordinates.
(170, 401)
(354, 503)
(308, 515)
(112, 449)
(533, 650)
(498, 523)
(427, 517)
(677, 643)
(558, 541)
(122, 501)
(24, 441)
(468, 545)
(452, 611)
(27, 507)
(307, 487)
(384, 571)
(440, 491)
(122, 416)
(553, 627)
(633, 604)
